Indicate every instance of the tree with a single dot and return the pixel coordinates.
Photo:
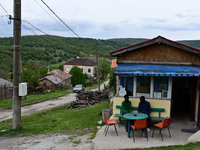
(104, 67)
(42, 71)
(30, 75)
(3, 74)
(78, 76)
(112, 78)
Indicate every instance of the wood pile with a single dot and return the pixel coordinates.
(88, 98)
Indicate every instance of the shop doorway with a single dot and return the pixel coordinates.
(181, 94)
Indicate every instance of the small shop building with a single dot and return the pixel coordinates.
(166, 72)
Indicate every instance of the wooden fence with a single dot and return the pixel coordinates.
(6, 91)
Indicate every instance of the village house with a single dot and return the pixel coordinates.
(55, 78)
(165, 72)
(87, 66)
(114, 63)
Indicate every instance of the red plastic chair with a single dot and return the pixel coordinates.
(165, 123)
(109, 123)
(139, 125)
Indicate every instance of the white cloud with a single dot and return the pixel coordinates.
(111, 19)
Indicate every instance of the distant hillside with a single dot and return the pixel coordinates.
(193, 43)
(45, 50)
(130, 41)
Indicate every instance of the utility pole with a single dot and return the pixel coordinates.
(17, 65)
(97, 68)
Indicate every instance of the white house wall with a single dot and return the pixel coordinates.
(67, 69)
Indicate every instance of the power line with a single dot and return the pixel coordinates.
(58, 39)
(60, 19)
(4, 9)
(29, 29)
(52, 17)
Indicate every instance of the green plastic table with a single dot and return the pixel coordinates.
(134, 116)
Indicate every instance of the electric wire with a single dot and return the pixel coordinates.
(60, 19)
(58, 39)
(33, 32)
(52, 17)
(64, 22)
(4, 9)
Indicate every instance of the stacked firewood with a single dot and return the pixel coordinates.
(88, 98)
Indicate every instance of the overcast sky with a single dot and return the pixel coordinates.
(105, 19)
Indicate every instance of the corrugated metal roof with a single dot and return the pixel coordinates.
(5, 82)
(53, 79)
(156, 70)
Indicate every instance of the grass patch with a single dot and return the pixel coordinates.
(77, 142)
(94, 86)
(32, 99)
(80, 133)
(57, 120)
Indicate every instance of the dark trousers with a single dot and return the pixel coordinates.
(148, 121)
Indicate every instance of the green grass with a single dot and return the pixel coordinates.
(94, 86)
(190, 146)
(55, 65)
(57, 120)
(32, 99)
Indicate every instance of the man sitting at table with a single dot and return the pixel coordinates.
(145, 107)
(126, 107)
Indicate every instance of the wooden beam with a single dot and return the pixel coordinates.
(117, 86)
(157, 63)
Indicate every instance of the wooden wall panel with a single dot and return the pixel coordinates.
(160, 53)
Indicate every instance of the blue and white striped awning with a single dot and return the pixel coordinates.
(157, 70)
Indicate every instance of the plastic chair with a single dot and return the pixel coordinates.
(139, 125)
(109, 123)
(165, 123)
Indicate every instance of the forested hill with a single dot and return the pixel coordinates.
(46, 50)
(54, 49)
(130, 41)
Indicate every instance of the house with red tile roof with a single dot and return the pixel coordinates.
(55, 78)
(166, 72)
(86, 65)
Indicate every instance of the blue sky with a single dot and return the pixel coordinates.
(105, 19)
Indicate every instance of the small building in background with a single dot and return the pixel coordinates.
(6, 83)
(87, 66)
(55, 78)
(114, 63)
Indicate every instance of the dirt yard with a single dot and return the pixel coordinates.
(73, 140)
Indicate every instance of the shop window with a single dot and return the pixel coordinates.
(89, 70)
(129, 85)
(122, 81)
(143, 86)
(160, 87)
